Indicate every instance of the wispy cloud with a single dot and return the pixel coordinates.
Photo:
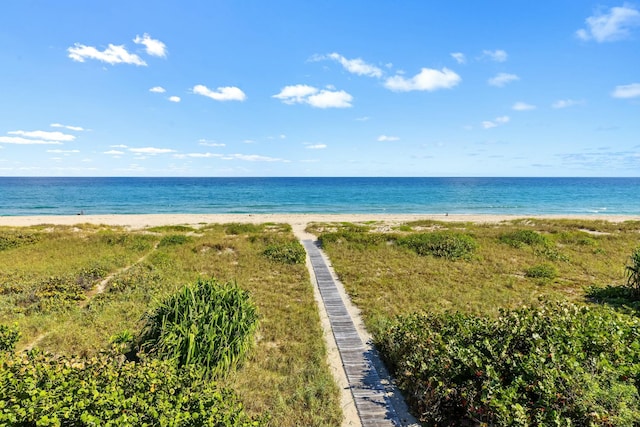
(489, 124)
(304, 94)
(74, 128)
(63, 151)
(210, 143)
(386, 138)
(354, 66)
(174, 99)
(111, 55)
(502, 79)
(152, 46)
(428, 79)
(459, 57)
(615, 24)
(497, 55)
(157, 89)
(151, 150)
(316, 146)
(254, 158)
(114, 152)
(24, 141)
(225, 93)
(197, 155)
(523, 106)
(627, 91)
(566, 103)
(119, 146)
(41, 136)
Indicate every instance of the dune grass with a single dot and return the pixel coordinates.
(285, 376)
(385, 278)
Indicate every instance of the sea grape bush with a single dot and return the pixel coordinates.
(46, 390)
(558, 364)
(446, 245)
(11, 239)
(286, 253)
(208, 325)
(9, 336)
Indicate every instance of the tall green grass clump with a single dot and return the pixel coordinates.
(208, 325)
(446, 245)
(520, 238)
(558, 364)
(633, 273)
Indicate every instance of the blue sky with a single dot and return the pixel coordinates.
(326, 88)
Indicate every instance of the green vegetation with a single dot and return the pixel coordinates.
(446, 245)
(555, 365)
(286, 253)
(460, 339)
(78, 292)
(208, 326)
(633, 273)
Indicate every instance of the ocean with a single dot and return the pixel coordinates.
(514, 196)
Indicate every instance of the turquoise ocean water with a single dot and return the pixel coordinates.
(521, 196)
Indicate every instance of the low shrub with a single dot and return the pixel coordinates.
(9, 336)
(447, 245)
(633, 273)
(541, 271)
(11, 239)
(207, 325)
(46, 390)
(174, 240)
(558, 364)
(286, 253)
(240, 228)
(520, 238)
(361, 238)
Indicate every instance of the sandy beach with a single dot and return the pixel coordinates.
(296, 220)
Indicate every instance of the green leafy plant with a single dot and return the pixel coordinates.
(9, 336)
(286, 253)
(241, 228)
(633, 272)
(520, 238)
(447, 245)
(39, 389)
(10, 239)
(558, 364)
(541, 271)
(173, 240)
(208, 325)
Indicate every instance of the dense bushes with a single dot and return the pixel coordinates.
(520, 238)
(208, 325)
(40, 389)
(286, 253)
(555, 365)
(440, 244)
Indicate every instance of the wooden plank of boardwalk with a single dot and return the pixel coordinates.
(374, 407)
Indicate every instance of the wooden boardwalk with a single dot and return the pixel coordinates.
(370, 395)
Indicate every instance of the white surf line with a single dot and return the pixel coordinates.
(369, 397)
(97, 290)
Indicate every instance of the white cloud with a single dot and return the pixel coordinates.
(157, 89)
(386, 138)
(303, 94)
(363, 119)
(111, 55)
(24, 141)
(74, 128)
(428, 79)
(119, 146)
(114, 152)
(153, 47)
(355, 66)
(627, 91)
(330, 99)
(502, 79)
(488, 124)
(174, 98)
(523, 106)
(41, 134)
(616, 24)
(197, 155)
(498, 55)
(316, 146)
(255, 158)
(151, 150)
(459, 57)
(210, 143)
(63, 151)
(565, 103)
(227, 93)
(295, 94)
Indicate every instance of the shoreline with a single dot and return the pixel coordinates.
(138, 221)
